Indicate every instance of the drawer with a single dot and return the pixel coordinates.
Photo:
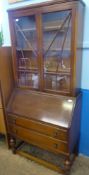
(38, 139)
(43, 128)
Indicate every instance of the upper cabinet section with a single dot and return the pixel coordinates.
(47, 46)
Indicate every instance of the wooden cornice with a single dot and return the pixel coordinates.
(48, 2)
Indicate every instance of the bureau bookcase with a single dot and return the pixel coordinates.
(44, 108)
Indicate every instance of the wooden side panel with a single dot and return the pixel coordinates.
(6, 73)
(74, 131)
(79, 45)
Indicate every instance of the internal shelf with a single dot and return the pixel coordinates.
(51, 49)
(35, 70)
(46, 28)
(49, 26)
(23, 68)
(58, 73)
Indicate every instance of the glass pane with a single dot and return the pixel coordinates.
(29, 79)
(57, 50)
(59, 82)
(26, 49)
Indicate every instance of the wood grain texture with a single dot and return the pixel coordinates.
(51, 109)
(40, 140)
(40, 127)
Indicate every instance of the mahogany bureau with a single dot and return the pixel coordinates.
(45, 106)
(48, 121)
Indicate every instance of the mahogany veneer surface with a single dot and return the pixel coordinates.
(53, 109)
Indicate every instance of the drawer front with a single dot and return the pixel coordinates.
(40, 127)
(38, 139)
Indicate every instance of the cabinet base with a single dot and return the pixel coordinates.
(42, 162)
(43, 157)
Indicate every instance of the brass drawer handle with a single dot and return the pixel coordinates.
(14, 121)
(55, 134)
(15, 131)
(55, 145)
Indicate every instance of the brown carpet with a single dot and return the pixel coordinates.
(15, 165)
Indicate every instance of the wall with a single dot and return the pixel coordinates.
(84, 134)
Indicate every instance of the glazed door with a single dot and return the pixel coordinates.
(26, 52)
(56, 27)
